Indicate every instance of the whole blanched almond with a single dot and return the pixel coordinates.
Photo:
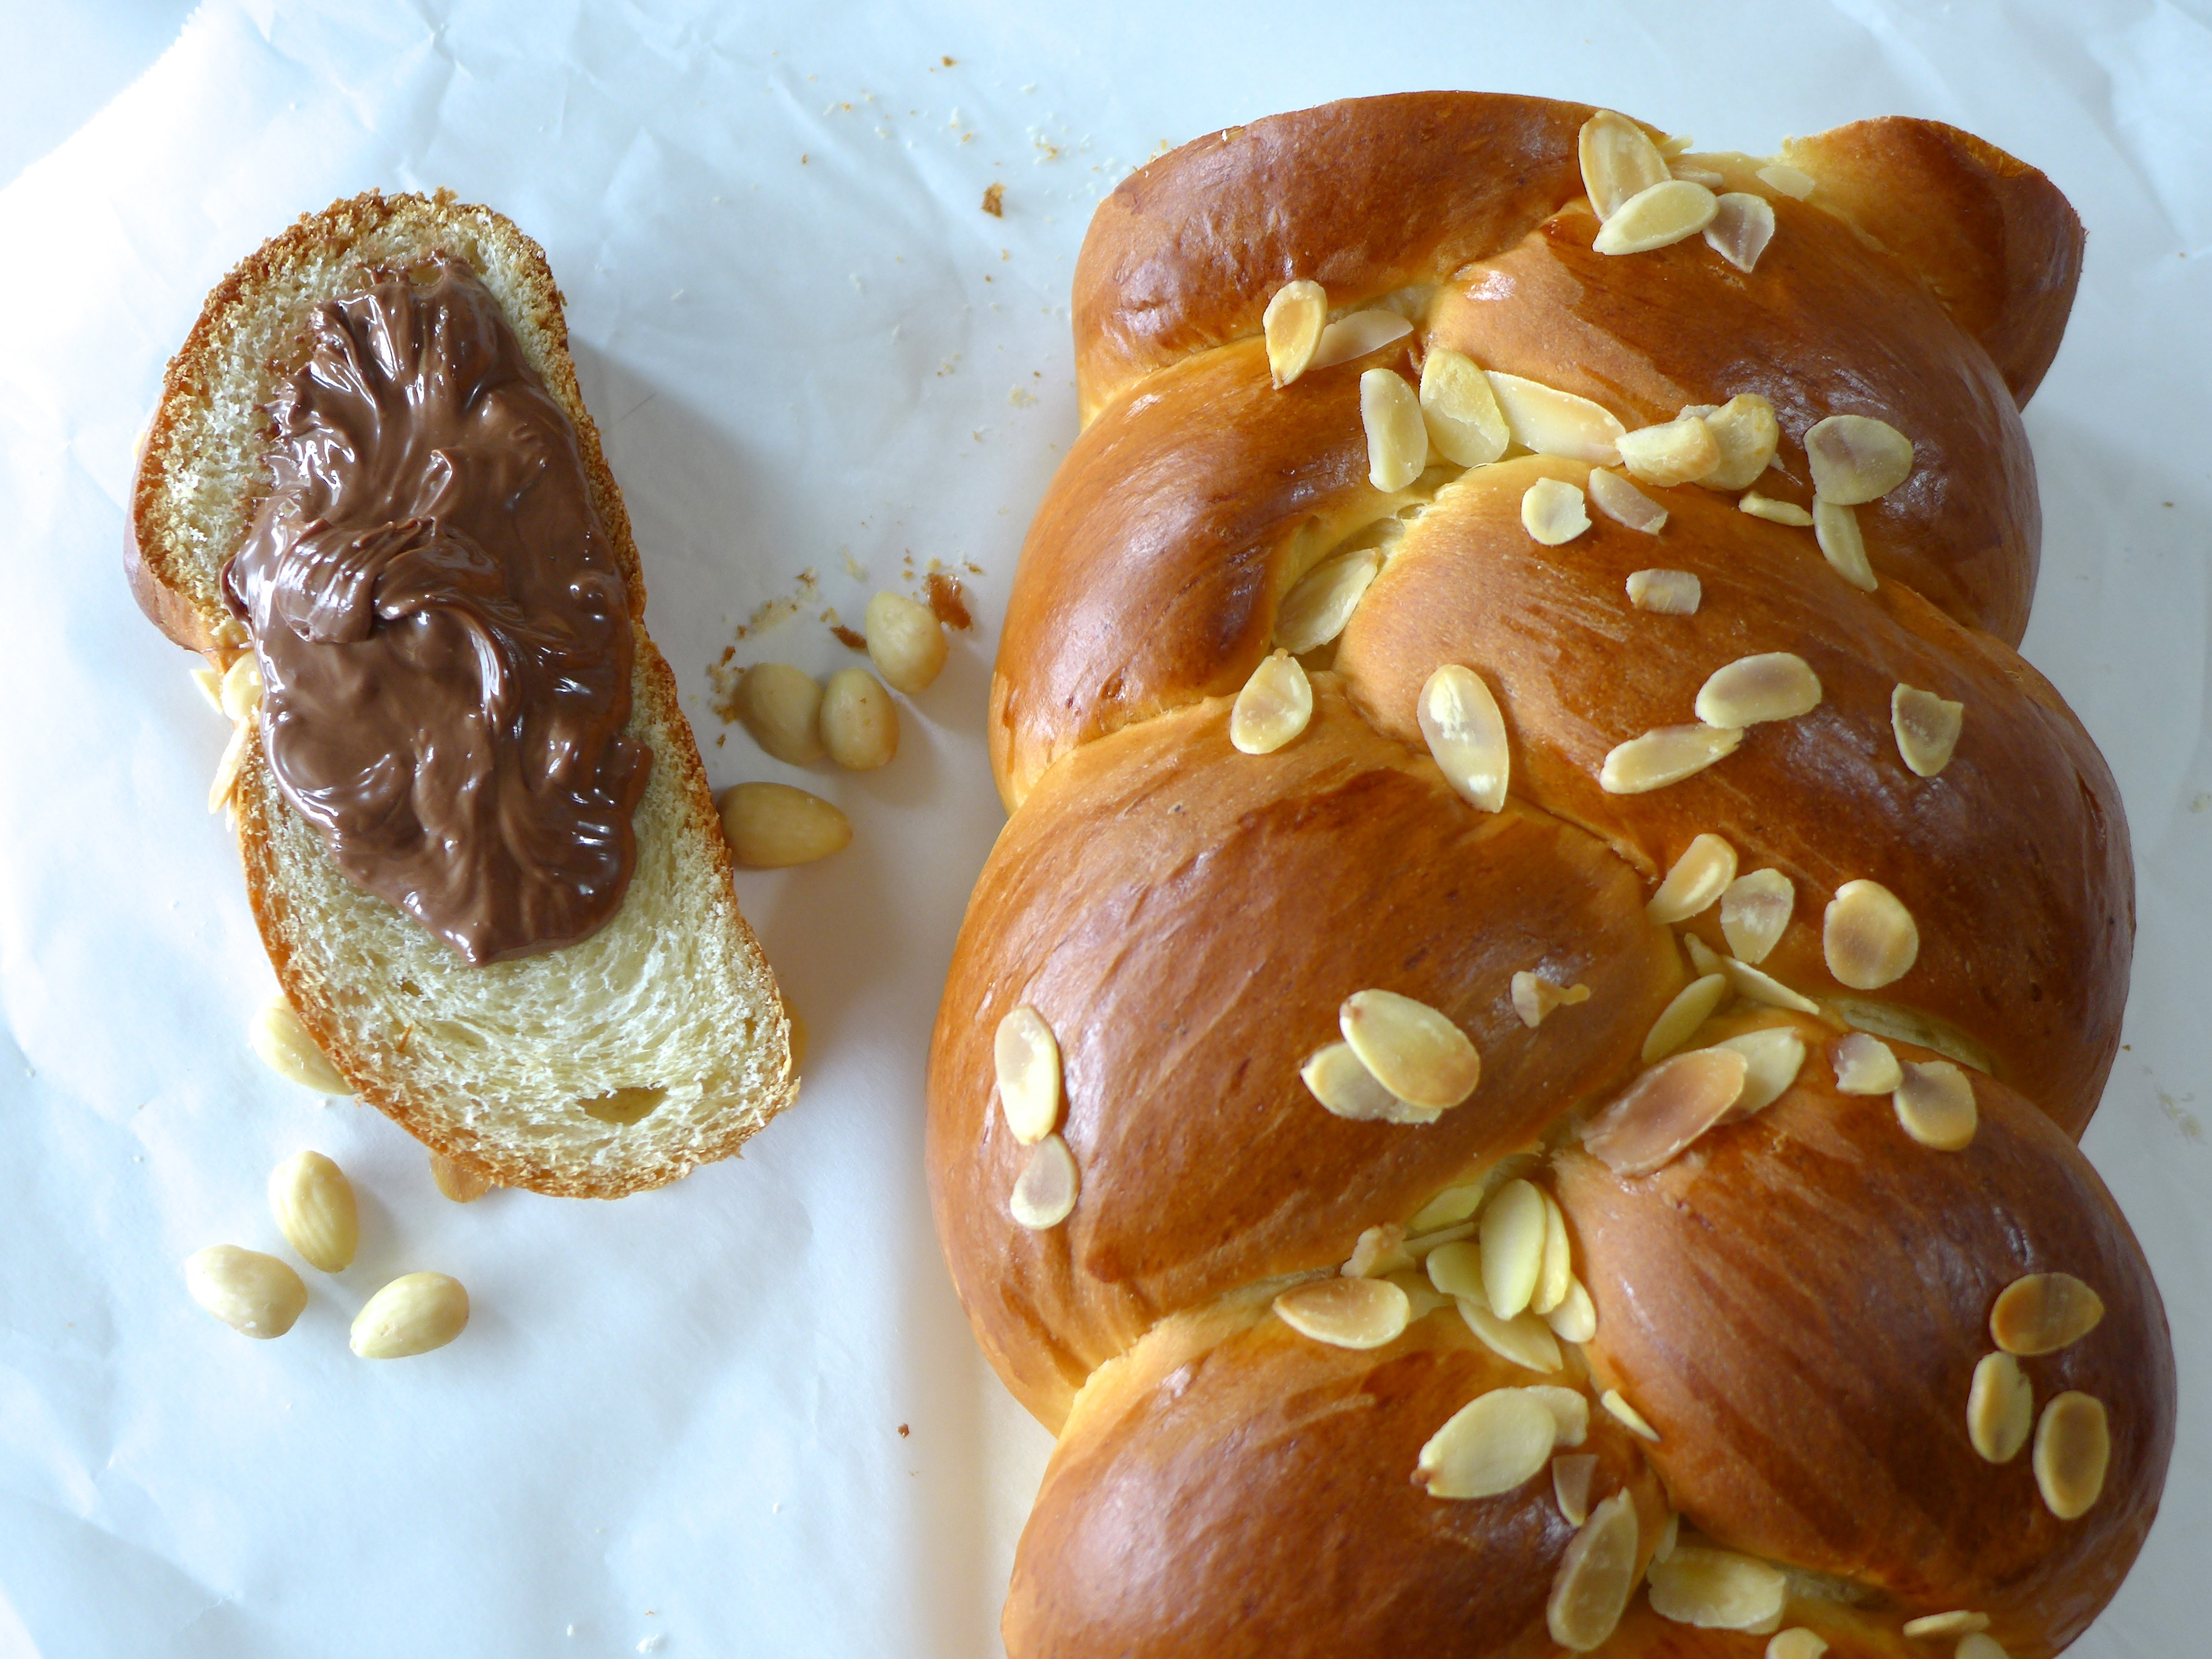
(412, 1314)
(314, 1204)
(859, 721)
(770, 826)
(905, 641)
(289, 1049)
(781, 706)
(255, 1295)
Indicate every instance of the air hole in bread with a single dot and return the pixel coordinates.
(624, 1106)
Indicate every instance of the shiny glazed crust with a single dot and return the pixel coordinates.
(1798, 1302)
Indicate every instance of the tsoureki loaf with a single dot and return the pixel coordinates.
(657, 1041)
(1511, 1086)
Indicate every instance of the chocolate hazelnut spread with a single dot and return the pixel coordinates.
(443, 631)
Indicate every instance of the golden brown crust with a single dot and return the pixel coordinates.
(1217, 931)
(1187, 918)
(1990, 236)
(1353, 1558)
(1363, 196)
(2014, 860)
(1811, 1401)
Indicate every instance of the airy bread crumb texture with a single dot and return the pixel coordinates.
(604, 1067)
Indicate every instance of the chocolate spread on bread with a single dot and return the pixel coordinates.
(444, 633)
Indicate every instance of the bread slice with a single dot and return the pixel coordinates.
(604, 1068)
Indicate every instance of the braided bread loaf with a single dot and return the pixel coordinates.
(1511, 1085)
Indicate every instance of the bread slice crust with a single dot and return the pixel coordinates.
(608, 1066)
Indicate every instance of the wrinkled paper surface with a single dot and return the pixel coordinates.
(744, 1415)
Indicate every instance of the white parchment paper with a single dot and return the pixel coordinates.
(744, 1415)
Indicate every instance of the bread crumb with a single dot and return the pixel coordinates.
(994, 201)
(948, 603)
(904, 1430)
(848, 638)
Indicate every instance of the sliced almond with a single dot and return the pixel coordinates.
(1796, 1642)
(1718, 1590)
(1999, 1408)
(1755, 912)
(1617, 1406)
(313, 1205)
(1676, 451)
(1745, 428)
(1397, 436)
(1898, 1024)
(2073, 1448)
(1558, 1271)
(1554, 423)
(1569, 1409)
(1934, 1626)
(1693, 881)
(1321, 601)
(1666, 1109)
(240, 695)
(1420, 1300)
(255, 1295)
(1756, 984)
(1341, 1081)
(230, 765)
(1868, 937)
(1788, 180)
(1466, 425)
(1466, 735)
(1704, 959)
(1512, 1240)
(1665, 755)
(1493, 1444)
(1772, 1059)
(1926, 728)
(1856, 458)
(1044, 1192)
(1774, 512)
(1575, 1320)
(1618, 162)
(210, 685)
(1837, 530)
(1293, 324)
(1347, 1313)
(1454, 1204)
(1657, 217)
(1978, 1645)
(1624, 504)
(289, 1049)
(1523, 1340)
(1414, 1051)
(1572, 1476)
(1027, 1057)
(1273, 708)
(1380, 1251)
(1552, 511)
(1534, 999)
(1697, 175)
(2042, 1313)
(1775, 685)
(1455, 1269)
(1864, 1065)
(1664, 593)
(1358, 334)
(1935, 1104)
(1597, 1573)
(1693, 1006)
(1743, 226)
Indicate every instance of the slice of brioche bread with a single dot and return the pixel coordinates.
(601, 1068)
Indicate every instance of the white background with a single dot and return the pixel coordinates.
(675, 1420)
